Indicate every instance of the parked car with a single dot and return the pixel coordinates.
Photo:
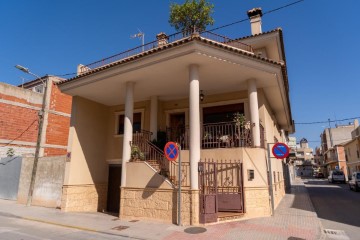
(354, 182)
(319, 175)
(336, 176)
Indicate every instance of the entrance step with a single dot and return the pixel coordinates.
(154, 164)
(229, 216)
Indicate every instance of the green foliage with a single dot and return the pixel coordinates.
(136, 153)
(10, 152)
(192, 15)
(239, 119)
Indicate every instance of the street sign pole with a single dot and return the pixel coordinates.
(179, 182)
(270, 181)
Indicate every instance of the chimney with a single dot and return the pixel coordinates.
(356, 123)
(162, 39)
(255, 20)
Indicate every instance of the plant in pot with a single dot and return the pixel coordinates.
(136, 154)
(239, 120)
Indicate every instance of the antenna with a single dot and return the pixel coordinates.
(141, 35)
(22, 83)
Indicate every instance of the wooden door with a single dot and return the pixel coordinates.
(113, 196)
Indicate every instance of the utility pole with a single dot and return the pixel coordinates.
(39, 136)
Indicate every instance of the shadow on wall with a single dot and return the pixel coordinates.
(89, 123)
(153, 185)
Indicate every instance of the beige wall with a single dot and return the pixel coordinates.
(87, 143)
(351, 149)
(114, 141)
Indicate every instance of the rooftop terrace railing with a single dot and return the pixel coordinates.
(157, 43)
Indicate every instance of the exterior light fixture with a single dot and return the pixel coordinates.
(202, 95)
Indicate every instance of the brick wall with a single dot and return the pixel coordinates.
(19, 120)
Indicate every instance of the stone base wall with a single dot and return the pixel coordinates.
(279, 192)
(159, 204)
(84, 198)
(257, 202)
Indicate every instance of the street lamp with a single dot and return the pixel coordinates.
(39, 137)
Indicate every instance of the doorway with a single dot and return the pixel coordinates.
(176, 130)
(113, 195)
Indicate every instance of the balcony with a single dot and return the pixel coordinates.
(217, 135)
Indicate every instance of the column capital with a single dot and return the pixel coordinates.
(193, 65)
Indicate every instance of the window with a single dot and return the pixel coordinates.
(136, 123)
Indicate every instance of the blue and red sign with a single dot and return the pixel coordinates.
(280, 150)
(171, 151)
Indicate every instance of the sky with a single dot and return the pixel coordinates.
(321, 44)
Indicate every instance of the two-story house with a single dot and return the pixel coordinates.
(224, 101)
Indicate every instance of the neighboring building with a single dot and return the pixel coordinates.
(332, 143)
(304, 159)
(19, 118)
(352, 150)
(183, 88)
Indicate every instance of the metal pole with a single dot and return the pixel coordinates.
(270, 181)
(179, 188)
(38, 142)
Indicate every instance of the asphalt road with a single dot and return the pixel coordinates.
(15, 228)
(337, 207)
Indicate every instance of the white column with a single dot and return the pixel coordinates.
(254, 112)
(153, 117)
(194, 125)
(128, 129)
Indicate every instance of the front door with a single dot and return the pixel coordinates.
(113, 196)
(177, 127)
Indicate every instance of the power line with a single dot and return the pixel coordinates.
(223, 26)
(7, 144)
(322, 122)
(267, 12)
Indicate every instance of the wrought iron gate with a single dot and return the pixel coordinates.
(221, 189)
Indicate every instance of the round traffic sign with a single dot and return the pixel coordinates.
(171, 151)
(280, 150)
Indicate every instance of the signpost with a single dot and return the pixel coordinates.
(280, 151)
(172, 152)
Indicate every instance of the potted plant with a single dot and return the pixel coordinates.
(239, 120)
(137, 154)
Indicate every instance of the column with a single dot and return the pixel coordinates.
(153, 117)
(128, 129)
(194, 125)
(254, 112)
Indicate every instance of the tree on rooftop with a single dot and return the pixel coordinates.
(192, 15)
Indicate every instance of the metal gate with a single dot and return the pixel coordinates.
(221, 189)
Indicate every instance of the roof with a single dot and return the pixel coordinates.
(175, 44)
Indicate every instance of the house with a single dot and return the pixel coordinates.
(20, 107)
(332, 143)
(352, 150)
(304, 159)
(19, 118)
(224, 101)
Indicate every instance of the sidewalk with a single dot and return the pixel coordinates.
(294, 218)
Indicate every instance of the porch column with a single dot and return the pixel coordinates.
(128, 129)
(254, 112)
(194, 106)
(153, 117)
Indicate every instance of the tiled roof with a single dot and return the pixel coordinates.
(171, 45)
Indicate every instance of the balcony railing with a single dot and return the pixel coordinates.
(217, 135)
(157, 43)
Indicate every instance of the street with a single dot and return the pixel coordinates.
(336, 206)
(14, 228)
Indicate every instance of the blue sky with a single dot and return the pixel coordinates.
(321, 43)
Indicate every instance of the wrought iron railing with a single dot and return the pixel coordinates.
(218, 135)
(152, 153)
(158, 43)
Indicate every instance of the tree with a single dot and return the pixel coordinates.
(192, 15)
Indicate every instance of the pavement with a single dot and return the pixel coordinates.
(294, 219)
